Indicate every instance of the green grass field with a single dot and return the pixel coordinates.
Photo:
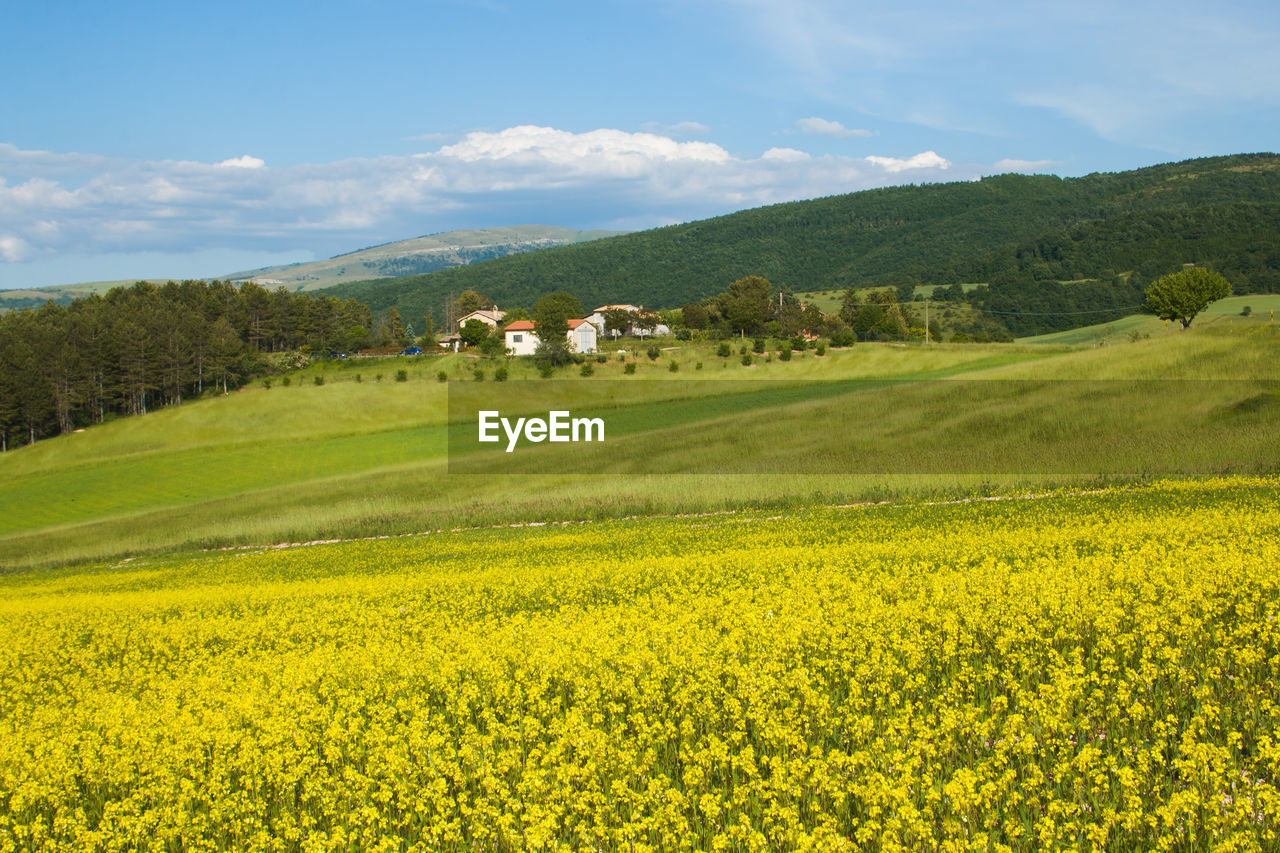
(361, 456)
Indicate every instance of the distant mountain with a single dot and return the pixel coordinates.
(432, 253)
(1026, 235)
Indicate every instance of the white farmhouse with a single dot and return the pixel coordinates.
(597, 316)
(597, 319)
(488, 316)
(522, 339)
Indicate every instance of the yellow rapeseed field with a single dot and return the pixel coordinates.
(1097, 671)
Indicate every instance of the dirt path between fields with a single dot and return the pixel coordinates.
(727, 514)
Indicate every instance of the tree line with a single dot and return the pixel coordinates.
(146, 346)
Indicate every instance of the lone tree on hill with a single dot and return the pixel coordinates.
(1184, 294)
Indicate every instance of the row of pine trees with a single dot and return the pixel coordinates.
(145, 346)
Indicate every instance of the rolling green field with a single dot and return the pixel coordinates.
(362, 455)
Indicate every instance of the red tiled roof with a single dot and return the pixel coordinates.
(520, 326)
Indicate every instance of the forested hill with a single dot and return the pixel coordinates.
(1010, 229)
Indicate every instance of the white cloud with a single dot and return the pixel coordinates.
(595, 151)
(830, 128)
(923, 160)
(790, 155)
(15, 249)
(243, 162)
(680, 128)
(689, 128)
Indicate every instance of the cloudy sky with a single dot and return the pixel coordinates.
(162, 139)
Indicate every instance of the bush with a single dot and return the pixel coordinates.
(1246, 311)
(799, 344)
(698, 366)
(402, 375)
(478, 375)
(587, 369)
(545, 370)
(785, 354)
(378, 378)
(319, 379)
(442, 377)
(684, 335)
(821, 349)
(723, 350)
(552, 354)
(653, 352)
(842, 338)
(500, 375)
(601, 358)
(630, 368)
(359, 378)
(742, 350)
(674, 366)
(286, 381)
(746, 359)
(758, 345)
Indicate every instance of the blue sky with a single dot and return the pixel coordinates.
(185, 140)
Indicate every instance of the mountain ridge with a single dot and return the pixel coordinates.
(416, 255)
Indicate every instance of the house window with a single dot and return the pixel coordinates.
(515, 339)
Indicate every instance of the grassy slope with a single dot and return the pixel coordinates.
(1224, 312)
(356, 458)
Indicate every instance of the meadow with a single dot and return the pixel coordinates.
(1069, 671)
(363, 454)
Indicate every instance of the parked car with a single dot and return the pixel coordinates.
(336, 354)
(411, 351)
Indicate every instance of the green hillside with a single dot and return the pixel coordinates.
(365, 455)
(1022, 234)
(419, 255)
(1223, 314)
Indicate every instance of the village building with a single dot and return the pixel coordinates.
(522, 338)
(597, 319)
(489, 316)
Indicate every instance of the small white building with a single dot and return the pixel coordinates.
(597, 319)
(582, 336)
(488, 316)
(522, 339)
(597, 316)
